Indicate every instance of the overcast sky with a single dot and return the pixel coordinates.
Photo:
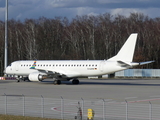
(22, 9)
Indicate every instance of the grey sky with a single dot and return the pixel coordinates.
(22, 9)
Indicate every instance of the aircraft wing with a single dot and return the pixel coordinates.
(58, 73)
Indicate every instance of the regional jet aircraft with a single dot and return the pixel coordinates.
(61, 70)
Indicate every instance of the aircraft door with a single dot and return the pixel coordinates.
(17, 66)
(102, 63)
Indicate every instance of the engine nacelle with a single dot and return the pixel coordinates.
(35, 76)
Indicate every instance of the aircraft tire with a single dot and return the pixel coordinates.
(75, 81)
(26, 79)
(57, 82)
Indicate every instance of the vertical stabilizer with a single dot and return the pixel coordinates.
(127, 51)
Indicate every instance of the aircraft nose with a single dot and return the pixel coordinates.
(4, 71)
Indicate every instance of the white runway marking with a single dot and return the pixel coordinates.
(126, 98)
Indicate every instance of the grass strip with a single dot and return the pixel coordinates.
(13, 117)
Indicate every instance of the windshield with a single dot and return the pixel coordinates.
(9, 64)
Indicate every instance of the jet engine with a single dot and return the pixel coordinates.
(36, 76)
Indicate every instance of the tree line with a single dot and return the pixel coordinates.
(83, 37)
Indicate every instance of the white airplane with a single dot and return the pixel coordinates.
(62, 70)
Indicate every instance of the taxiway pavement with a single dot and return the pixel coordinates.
(113, 90)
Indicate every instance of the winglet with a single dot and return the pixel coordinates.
(34, 65)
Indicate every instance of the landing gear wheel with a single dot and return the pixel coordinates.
(75, 81)
(18, 79)
(26, 79)
(57, 82)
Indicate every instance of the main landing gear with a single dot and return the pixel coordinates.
(74, 81)
(57, 82)
(19, 79)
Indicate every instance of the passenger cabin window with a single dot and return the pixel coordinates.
(61, 65)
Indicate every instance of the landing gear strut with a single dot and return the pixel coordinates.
(75, 81)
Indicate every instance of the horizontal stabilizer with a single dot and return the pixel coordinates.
(147, 62)
(127, 64)
(131, 64)
(123, 64)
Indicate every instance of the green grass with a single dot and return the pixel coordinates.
(12, 117)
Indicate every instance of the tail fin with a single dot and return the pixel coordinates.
(127, 51)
